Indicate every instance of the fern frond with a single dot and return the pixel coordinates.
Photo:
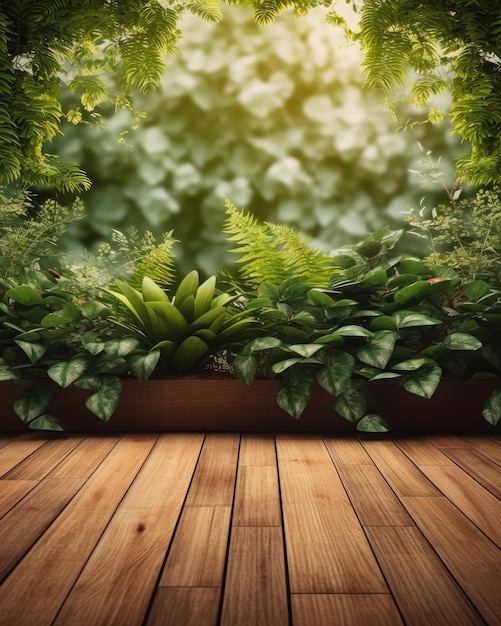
(209, 10)
(158, 265)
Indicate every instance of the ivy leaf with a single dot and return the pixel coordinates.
(352, 403)
(462, 341)
(120, 347)
(372, 423)
(281, 366)
(334, 377)
(66, 372)
(305, 350)
(492, 408)
(352, 330)
(294, 392)
(409, 319)
(34, 351)
(142, 365)
(379, 349)
(33, 404)
(104, 402)
(423, 381)
(46, 422)
(245, 367)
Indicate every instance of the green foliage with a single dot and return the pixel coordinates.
(429, 38)
(276, 119)
(195, 324)
(273, 252)
(382, 316)
(465, 235)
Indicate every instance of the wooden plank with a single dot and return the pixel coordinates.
(448, 441)
(44, 459)
(423, 589)
(403, 476)
(26, 522)
(17, 451)
(48, 571)
(198, 552)
(488, 447)
(373, 500)
(346, 609)
(327, 551)
(255, 590)
(119, 578)
(346, 450)
(422, 452)
(84, 459)
(189, 606)
(478, 504)
(473, 560)
(257, 497)
(257, 450)
(214, 480)
(482, 469)
(5, 439)
(11, 491)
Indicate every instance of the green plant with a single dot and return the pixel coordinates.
(381, 317)
(464, 235)
(183, 330)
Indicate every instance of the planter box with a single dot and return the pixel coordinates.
(189, 404)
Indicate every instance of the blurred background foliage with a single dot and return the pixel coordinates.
(277, 119)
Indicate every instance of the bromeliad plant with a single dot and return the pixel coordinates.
(381, 316)
(185, 330)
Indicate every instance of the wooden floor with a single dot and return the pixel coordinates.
(194, 529)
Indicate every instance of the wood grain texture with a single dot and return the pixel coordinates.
(421, 451)
(255, 591)
(17, 451)
(371, 497)
(488, 447)
(327, 551)
(214, 481)
(85, 457)
(48, 571)
(126, 563)
(482, 469)
(185, 607)
(344, 609)
(423, 589)
(471, 558)
(198, 552)
(11, 491)
(257, 497)
(347, 451)
(257, 450)
(44, 459)
(403, 476)
(478, 504)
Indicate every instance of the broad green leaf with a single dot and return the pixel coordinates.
(66, 372)
(383, 322)
(335, 376)
(268, 290)
(204, 296)
(143, 365)
(492, 408)
(409, 319)
(32, 404)
(259, 303)
(25, 295)
(331, 338)
(379, 349)
(424, 381)
(344, 302)
(167, 349)
(245, 367)
(305, 349)
(152, 292)
(462, 341)
(352, 403)
(207, 318)
(190, 352)
(353, 331)
(376, 277)
(294, 392)
(187, 308)
(88, 382)
(46, 422)
(372, 423)
(6, 373)
(263, 343)
(167, 322)
(316, 296)
(53, 320)
(273, 316)
(120, 347)
(206, 334)
(414, 364)
(104, 402)
(402, 280)
(476, 289)
(92, 309)
(384, 375)
(412, 293)
(34, 351)
(94, 347)
(413, 266)
(281, 366)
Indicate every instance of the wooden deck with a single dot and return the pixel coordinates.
(204, 529)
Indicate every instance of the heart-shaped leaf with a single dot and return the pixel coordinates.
(492, 408)
(294, 392)
(379, 349)
(33, 404)
(104, 402)
(66, 372)
(462, 341)
(423, 381)
(334, 377)
(372, 423)
(352, 403)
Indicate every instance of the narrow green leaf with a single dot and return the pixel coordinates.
(187, 287)
(190, 352)
(152, 292)
(204, 296)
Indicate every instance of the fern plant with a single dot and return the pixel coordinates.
(273, 252)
